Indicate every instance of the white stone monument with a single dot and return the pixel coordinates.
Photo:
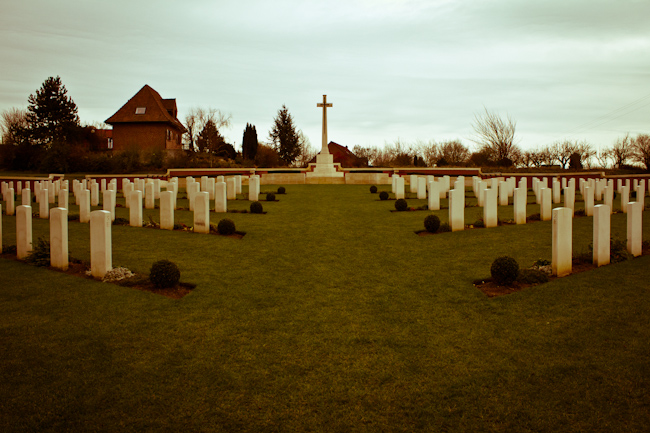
(520, 200)
(324, 166)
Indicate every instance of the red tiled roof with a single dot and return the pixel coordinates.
(156, 110)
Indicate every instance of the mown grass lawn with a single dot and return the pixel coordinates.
(329, 315)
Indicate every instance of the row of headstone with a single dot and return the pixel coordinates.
(562, 232)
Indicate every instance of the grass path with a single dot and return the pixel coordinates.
(329, 315)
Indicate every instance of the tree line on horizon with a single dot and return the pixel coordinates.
(48, 136)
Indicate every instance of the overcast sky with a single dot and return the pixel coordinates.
(394, 69)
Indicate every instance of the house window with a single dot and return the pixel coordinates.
(140, 110)
(169, 134)
(110, 143)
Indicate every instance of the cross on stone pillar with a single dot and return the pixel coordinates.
(325, 105)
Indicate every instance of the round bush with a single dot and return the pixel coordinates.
(226, 227)
(432, 223)
(401, 204)
(504, 270)
(256, 207)
(270, 197)
(164, 274)
(373, 189)
(383, 195)
(281, 190)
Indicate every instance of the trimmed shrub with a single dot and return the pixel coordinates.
(256, 207)
(373, 189)
(270, 197)
(282, 190)
(401, 205)
(444, 228)
(383, 195)
(226, 226)
(532, 276)
(164, 274)
(504, 270)
(432, 223)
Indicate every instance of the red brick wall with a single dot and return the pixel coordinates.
(144, 136)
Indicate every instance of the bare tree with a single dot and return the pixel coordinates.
(454, 152)
(430, 153)
(603, 157)
(307, 151)
(622, 151)
(641, 146)
(561, 151)
(12, 121)
(495, 136)
(195, 122)
(367, 153)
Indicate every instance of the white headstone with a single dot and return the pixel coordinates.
(108, 202)
(557, 192)
(399, 188)
(101, 247)
(59, 238)
(220, 197)
(94, 194)
(413, 183)
(634, 228)
(503, 194)
(135, 208)
(589, 200)
(561, 262)
(608, 196)
(546, 205)
(26, 194)
(149, 201)
(238, 184)
(422, 188)
(625, 197)
(10, 201)
(202, 212)
(601, 241)
(434, 195)
(490, 216)
(231, 188)
(456, 210)
(253, 188)
(84, 205)
(23, 231)
(64, 198)
(520, 201)
(167, 210)
(569, 198)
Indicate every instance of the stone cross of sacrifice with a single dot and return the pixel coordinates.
(325, 105)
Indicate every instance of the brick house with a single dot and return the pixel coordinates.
(147, 122)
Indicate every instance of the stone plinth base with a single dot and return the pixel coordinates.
(324, 168)
(314, 180)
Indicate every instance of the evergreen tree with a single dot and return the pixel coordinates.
(209, 139)
(285, 137)
(51, 115)
(249, 142)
